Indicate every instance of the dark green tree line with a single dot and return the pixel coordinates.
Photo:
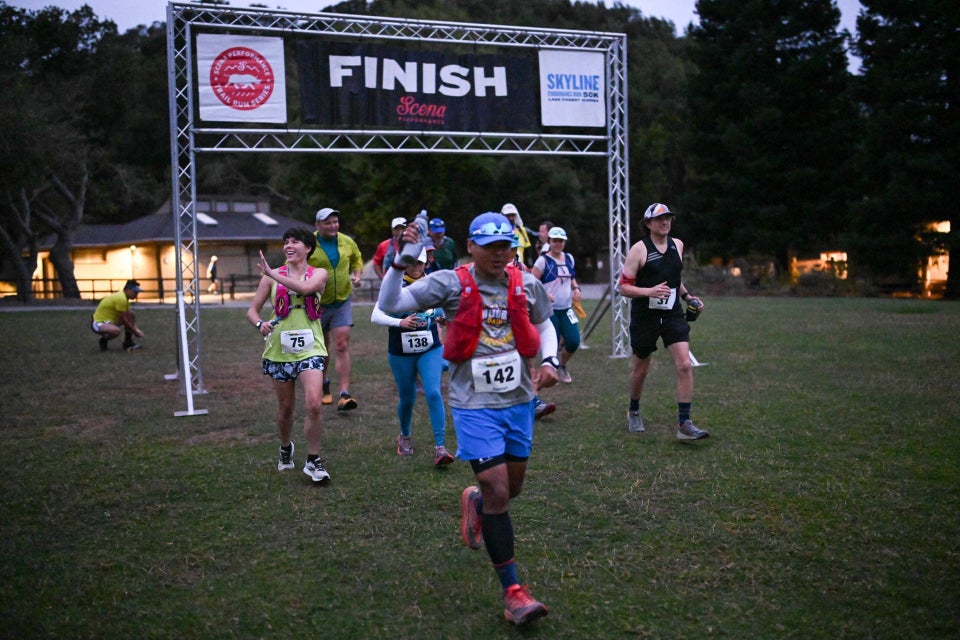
(45, 154)
(910, 91)
(751, 125)
(773, 129)
(79, 140)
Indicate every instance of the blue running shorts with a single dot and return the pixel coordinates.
(485, 433)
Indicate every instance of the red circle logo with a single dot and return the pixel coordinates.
(242, 78)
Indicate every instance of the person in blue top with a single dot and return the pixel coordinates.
(413, 348)
(555, 269)
(339, 255)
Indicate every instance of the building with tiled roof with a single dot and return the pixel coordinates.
(235, 229)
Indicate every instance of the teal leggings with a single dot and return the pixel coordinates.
(567, 330)
(430, 366)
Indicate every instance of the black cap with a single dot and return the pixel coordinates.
(133, 284)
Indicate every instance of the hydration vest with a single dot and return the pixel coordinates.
(463, 331)
(282, 305)
(551, 269)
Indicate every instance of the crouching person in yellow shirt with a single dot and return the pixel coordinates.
(113, 315)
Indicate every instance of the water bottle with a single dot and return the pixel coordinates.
(411, 250)
(694, 307)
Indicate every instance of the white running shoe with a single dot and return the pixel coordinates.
(286, 459)
(315, 470)
(687, 431)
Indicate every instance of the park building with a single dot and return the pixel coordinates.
(235, 229)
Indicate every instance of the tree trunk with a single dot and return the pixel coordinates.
(13, 246)
(23, 266)
(952, 291)
(64, 227)
(60, 259)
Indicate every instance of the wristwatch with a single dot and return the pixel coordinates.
(259, 323)
(552, 361)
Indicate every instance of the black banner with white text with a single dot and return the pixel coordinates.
(364, 85)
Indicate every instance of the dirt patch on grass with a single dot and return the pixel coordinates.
(90, 427)
(228, 435)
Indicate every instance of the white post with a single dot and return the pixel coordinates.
(184, 370)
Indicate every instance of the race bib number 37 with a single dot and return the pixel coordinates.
(498, 373)
(664, 304)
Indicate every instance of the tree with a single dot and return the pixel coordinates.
(46, 59)
(131, 128)
(773, 128)
(568, 192)
(94, 144)
(911, 97)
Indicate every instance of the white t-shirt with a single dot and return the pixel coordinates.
(557, 279)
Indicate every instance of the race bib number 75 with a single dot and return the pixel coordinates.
(296, 341)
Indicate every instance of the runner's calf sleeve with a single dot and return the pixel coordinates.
(498, 536)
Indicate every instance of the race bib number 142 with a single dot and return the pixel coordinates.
(497, 373)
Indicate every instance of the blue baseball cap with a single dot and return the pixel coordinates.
(437, 225)
(490, 227)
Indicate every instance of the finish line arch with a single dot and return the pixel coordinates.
(190, 26)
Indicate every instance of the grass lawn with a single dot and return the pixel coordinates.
(826, 503)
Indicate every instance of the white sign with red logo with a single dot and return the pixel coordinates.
(241, 78)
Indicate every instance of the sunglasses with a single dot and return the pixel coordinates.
(493, 229)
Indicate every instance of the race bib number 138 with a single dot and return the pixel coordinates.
(416, 341)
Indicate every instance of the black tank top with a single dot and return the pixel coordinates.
(658, 268)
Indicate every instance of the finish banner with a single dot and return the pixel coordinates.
(365, 85)
(241, 78)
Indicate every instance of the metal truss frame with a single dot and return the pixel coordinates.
(187, 140)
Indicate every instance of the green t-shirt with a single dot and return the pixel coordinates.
(289, 332)
(111, 307)
(446, 254)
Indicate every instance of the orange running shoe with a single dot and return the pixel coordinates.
(441, 456)
(470, 524)
(519, 607)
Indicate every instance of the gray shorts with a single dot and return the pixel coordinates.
(338, 315)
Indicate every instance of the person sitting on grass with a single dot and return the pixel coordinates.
(113, 315)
